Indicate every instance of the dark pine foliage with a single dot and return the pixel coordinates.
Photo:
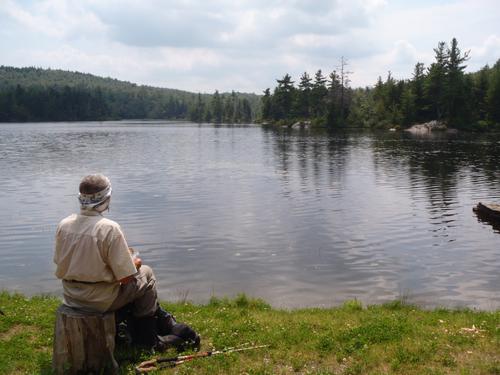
(34, 94)
(442, 91)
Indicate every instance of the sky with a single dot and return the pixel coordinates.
(242, 45)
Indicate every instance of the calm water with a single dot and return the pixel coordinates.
(297, 218)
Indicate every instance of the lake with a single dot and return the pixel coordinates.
(298, 218)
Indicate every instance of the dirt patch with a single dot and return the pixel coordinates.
(476, 358)
(45, 349)
(18, 329)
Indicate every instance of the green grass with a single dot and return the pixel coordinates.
(394, 338)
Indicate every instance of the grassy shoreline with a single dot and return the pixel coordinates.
(393, 338)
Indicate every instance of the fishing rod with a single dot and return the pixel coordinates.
(158, 363)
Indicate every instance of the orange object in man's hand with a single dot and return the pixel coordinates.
(135, 257)
(137, 262)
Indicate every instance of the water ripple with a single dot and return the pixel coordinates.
(299, 218)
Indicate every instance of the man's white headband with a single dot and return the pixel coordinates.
(90, 201)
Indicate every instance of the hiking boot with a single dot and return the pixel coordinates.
(195, 344)
(179, 343)
(171, 341)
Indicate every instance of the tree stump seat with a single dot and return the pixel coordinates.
(83, 342)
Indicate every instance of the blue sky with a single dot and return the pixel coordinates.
(242, 45)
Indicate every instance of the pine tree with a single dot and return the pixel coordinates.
(334, 102)
(480, 90)
(229, 115)
(436, 80)
(216, 108)
(196, 114)
(303, 103)
(318, 95)
(245, 115)
(418, 90)
(284, 96)
(493, 95)
(455, 91)
(234, 100)
(266, 105)
(408, 107)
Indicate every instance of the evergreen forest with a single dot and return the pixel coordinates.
(34, 94)
(441, 91)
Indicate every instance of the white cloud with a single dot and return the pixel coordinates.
(408, 34)
(314, 40)
(236, 24)
(403, 52)
(151, 66)
(57, 19)
(487, 53)
(400, 60)
(243, 45)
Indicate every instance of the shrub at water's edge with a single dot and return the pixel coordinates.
(392, 338)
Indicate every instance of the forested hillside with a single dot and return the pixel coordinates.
(441, 91)
(34, 94)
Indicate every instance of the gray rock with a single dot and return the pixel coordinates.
(301, 124)
(428, 127)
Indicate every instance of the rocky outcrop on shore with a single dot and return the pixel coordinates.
(301, 124)
(428, 127)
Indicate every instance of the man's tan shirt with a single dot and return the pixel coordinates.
(91, 255)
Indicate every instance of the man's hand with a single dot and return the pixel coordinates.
(137, 262)
(135, 257)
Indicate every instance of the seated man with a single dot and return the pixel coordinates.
(97, 270)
